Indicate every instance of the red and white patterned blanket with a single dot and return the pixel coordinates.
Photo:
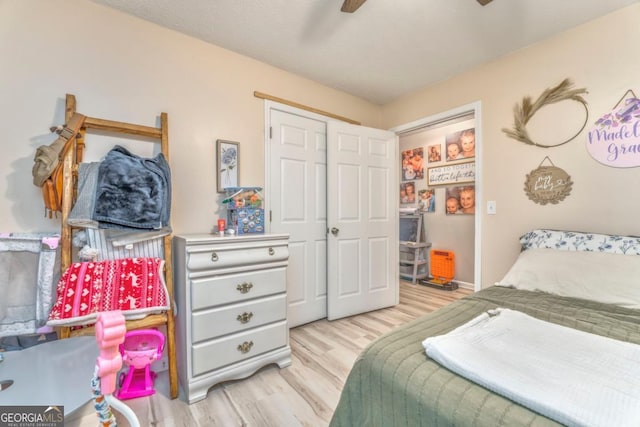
(133, 285)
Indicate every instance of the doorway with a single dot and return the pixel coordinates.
(441, 125)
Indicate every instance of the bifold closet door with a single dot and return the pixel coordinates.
(363, 194)
(297, 201)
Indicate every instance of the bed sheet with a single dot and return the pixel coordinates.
(394, 383)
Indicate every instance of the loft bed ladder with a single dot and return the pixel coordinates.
(69, 193)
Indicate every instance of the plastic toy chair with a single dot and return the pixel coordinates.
(139, 349)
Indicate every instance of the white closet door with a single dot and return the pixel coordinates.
(297, 193)
(362, 216)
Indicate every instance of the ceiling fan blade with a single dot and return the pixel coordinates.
(484, 2)
(351, 6)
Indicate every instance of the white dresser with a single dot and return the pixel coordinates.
(231, 307)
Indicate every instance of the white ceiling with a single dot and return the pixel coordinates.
(385, 49)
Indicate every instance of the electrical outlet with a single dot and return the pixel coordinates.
(161, 365)
(491, 207)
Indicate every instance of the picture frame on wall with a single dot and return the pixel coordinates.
(435, 153)
(228, 162)
(413, 164)
(427, 200)
(461, 145)
(460, 200)
(451, 174)
(407, 193)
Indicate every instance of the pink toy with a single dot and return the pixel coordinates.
(139, 350)
(110, 332)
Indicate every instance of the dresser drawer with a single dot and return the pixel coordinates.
(236, 255)
(237, 317)
(214, 354)
(213, 291)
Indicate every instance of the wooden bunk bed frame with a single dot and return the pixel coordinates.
(69, 193)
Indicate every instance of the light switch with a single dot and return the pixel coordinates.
(491, 207)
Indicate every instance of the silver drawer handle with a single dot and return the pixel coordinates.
(244, 287)
(244, 317)
(214, 257)
(272, 251)
(245, 347)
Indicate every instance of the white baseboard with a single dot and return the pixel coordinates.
(465, 285)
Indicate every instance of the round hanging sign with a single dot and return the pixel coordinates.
(547, 184)
(615, 138)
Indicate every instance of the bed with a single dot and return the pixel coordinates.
(587, 282)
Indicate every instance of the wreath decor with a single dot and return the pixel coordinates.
(523, 113)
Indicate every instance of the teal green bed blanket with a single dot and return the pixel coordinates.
(393, 383)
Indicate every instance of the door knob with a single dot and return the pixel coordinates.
(335, 231)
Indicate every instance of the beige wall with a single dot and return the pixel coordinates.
(600, 56)
(123, 68)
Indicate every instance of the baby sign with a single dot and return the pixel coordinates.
(615, 138)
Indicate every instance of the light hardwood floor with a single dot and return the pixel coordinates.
(304, 394)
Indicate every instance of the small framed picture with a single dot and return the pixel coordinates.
(407, 193)
(228, 163)
(461, 200)
(434, 153)
(427, 200)
(413, 164)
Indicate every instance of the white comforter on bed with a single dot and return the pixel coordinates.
(573, 377)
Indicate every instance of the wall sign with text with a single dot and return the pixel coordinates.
(452, 174)
(615, 138)
(547, 184)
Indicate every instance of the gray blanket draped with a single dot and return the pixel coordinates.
(81, 214)
(132, 191)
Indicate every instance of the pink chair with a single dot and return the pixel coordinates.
(139, 350)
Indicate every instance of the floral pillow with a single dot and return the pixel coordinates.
(577, 241)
